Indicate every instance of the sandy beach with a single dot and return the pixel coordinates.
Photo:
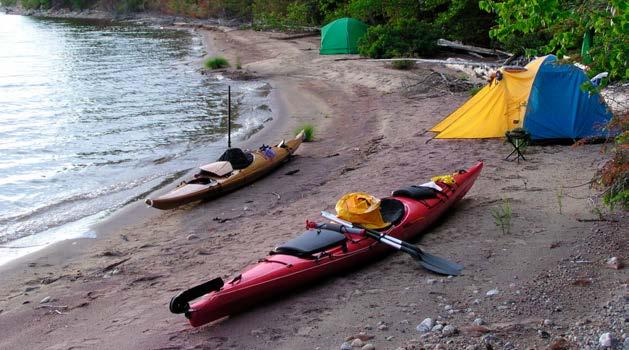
(550, 272)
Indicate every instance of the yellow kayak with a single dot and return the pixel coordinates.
(234, 169)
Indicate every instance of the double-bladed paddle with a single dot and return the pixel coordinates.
(428, 261)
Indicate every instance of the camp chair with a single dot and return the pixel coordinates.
(519, 138)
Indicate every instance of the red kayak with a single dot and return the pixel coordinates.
(320, 253)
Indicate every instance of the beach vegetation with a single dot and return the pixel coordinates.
(8, 2)
(502, 216)
(474, 90)
(217, 62)
(309, 131)
(402, 38)
(35, 4)
(403, 64)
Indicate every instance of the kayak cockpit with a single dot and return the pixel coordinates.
(311, 242)
(392, 211)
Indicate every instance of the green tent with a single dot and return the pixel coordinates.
(341, 36)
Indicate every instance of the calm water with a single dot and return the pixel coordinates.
(95, 115)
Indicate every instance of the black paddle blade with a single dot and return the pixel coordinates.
(438, 261)
(438, 269)
(436, 264)
(179, 304)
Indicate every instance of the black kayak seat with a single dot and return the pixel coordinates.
(311, 242)
(416, 192)
(237, 158)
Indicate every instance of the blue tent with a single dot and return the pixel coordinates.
(558, 108)
(546, 99)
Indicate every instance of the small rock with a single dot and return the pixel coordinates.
(346, 346)
(449, 330)
(476, 301)
(492, 292)
(605, 340)
(448, 307)
(390, 337)
(45, 300)
(441, 347)
(383, 327)
(404, 322)
(543, 334)
(357, 343)
(431, 281)
(548, 322)
(257, 332)
(425, 326)
(246, 208)
(368, 346)
(614, 263)
(363, 336)
(437, 328)
(192, 236)
(478, 322)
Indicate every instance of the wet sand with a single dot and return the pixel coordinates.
(113, 292)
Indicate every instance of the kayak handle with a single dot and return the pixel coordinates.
(180, 303)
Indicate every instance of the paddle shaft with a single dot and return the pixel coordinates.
(379, 236)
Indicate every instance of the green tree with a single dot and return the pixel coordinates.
(551, 26)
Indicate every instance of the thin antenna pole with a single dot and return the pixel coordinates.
(229, 116)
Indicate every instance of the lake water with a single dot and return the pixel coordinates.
(95, 115)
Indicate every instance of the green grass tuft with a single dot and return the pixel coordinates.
(216, 62)
(308, 131)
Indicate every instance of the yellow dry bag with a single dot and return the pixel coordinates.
(361, 208)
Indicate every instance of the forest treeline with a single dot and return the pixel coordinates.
(409, 28)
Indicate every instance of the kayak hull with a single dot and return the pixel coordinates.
(279, 274)
(208, 186)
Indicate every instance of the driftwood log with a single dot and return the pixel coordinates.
(472, 49)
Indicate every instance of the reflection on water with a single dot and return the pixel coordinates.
(95, 113)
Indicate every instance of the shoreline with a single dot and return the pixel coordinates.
(130, 213)
(370, 137)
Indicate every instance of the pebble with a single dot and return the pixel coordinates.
(368, 346)
(492, 292)
(425, 326)
(431, 281)
(45, 300)
(548, 322)
(478, 322)
(437, 328)
(346, 346)
(605, 340)
(192, 236)
(383, 327)
(390, 337)
(448, 307)
(357, 343)
(449, 330)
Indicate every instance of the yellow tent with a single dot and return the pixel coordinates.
(495, 109)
